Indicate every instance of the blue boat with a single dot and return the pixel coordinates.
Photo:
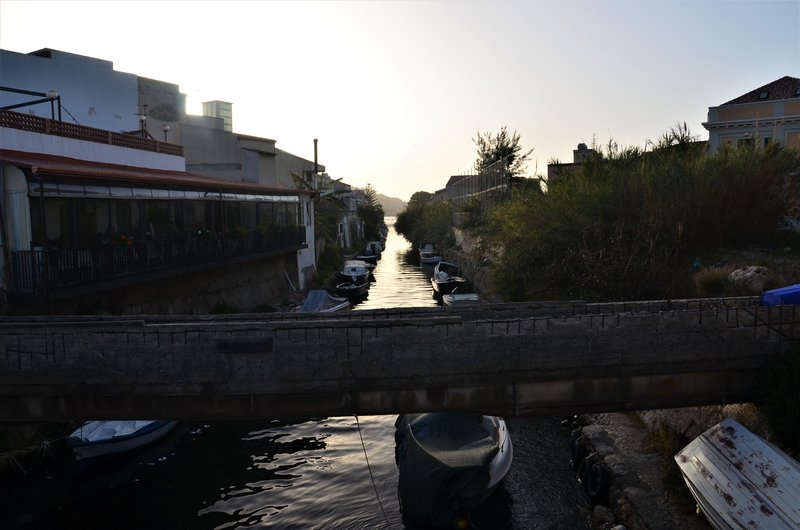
(783, 296)
(96, 439)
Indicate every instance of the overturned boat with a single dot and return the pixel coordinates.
(448, 464)
(740, 480)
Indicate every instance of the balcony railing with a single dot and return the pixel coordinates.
(27, 122)
(46, 270)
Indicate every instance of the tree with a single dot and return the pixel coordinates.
(371, 195)
(505, 146)
(371, 213)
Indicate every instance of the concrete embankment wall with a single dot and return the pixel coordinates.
(473, 264)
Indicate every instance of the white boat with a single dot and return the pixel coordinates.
(459, 299)
(321, 301)
(355, 271)
(740, 480)
(447, 278)
(448, 463)
(104, 438)
(428, 254)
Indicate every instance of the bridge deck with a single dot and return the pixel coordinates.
(538, 358)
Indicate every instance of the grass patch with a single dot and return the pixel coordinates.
(713, 281)
(666, 442)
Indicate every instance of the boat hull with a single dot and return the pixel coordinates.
(447, 286)
(353, 291)
(86, 450)
(448, 464)
(740, 480)
(455, 299)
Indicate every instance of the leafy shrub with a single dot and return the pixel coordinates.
(779, 382)
(626, 222)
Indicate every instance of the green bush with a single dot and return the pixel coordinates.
(627, 222)
(779, 383)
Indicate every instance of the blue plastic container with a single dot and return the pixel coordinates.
(783, 296)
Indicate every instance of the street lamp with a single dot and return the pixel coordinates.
(165, 128)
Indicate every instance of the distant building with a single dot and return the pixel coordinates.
(766, 114)
(579, 156)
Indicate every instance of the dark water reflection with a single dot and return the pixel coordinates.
(310, 473)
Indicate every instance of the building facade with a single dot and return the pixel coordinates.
(127, 188)
(770, 113)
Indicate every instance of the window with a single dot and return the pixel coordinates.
(158, 222)
(194, 215)
(249, 215)
(233, 216)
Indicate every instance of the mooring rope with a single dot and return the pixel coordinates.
(374, 487)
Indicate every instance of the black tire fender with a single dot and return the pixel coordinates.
(598, 482)
(585, 468)
(577, 450)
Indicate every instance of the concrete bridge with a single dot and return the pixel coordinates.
(543, 358)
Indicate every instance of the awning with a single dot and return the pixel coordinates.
(63, 176)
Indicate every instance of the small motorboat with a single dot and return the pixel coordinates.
(740, 480)
(376, 247)
(355, 270)
(447, 278)
(95, 439)
(321, 301)
(448, 464)
(353, 291)
(458, 299)
(428, 254)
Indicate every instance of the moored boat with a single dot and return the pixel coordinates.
(353, 291)
(96, 439)
(428, 254)
(448, 464)
(459, 299)
(447, 278)
(355, 271)
(740, 480)
(321, 301)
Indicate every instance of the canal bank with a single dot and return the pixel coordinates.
(637, 494)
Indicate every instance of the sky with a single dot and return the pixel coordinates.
(396, 91)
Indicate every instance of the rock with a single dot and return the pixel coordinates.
(753, 278)
(602, 516)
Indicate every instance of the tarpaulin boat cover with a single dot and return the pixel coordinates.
(443, 462)
(784, 296)
(320, 300)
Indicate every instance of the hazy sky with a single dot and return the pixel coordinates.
(395, 91)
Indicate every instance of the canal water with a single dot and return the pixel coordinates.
(306, 473)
